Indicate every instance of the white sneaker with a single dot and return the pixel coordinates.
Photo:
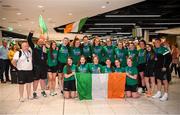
(164, 97)
(140, 90)
(157, 95)
(21, 99)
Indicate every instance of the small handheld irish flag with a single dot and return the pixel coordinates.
(100, 86)
(76, 26)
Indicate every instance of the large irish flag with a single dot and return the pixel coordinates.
(100, 86)
(75, 26)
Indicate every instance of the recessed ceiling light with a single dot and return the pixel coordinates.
(32, 22)
(40, 6)
(103, 6)
(70, 14)
(3, 18)
(19, 25)
(19, 13)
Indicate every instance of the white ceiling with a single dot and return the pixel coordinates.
(54, 12)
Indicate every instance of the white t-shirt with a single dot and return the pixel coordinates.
(25, 61)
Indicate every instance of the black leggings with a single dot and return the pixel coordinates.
(174, 66)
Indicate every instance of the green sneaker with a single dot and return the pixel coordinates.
(35, 95)
(44, 94)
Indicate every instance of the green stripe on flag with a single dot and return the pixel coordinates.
(82, 23)
(84, 85)
(42, 25)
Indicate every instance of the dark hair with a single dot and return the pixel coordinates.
(74, 41)
(79, 63)
(85, 37)
(130, 58)
(94, 40)
(95, 57)
(121, 43)
(158, 39)
(118, 61)
(152, 51)
(51, 50)
(69, 71)
(143, 42)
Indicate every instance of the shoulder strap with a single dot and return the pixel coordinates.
(20, 53)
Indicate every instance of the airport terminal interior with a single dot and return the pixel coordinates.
(89, 57)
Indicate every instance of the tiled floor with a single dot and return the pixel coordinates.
(9, 104)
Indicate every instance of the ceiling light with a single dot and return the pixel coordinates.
(114, 24)
(40, 6)
(60, 28)
(99, 31)
(152, 33)
(123, 33)
(3, 18)
(19, 25)
(105, 28)
(19, 13)
(32, 22)
(132, 16)
(95, 33)
(154, 28)
(166, 23)
(70, 14)
(103, 6)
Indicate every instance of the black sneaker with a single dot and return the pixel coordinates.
(35, 95)
(62, 92)
(43, 94)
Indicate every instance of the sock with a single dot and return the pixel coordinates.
(166, 94)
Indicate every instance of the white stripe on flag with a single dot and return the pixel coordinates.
(99, 86)
(75, 26)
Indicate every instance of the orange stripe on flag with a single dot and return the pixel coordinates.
(68, 28)
(116, 85)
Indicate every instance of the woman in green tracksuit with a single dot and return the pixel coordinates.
(83, 67)
(86, 49)
(131, 79)
(133, 53)
(75, 51)
(109, 51)
(121, 54)
(69, 79)
(108, 68)
(95, 67)
(52, 67)
(142, 62)
(63, 54)
(97, 50)
(118, 67)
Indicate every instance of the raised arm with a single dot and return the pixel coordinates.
(29, 39)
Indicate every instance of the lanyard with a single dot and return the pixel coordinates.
(27, 57)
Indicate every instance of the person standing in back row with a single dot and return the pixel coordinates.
(162, 62)
(63, 54)
(39, 64)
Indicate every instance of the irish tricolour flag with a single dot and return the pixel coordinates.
(100, 86)
(75, 26)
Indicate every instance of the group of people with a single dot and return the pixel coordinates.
(145, 65)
